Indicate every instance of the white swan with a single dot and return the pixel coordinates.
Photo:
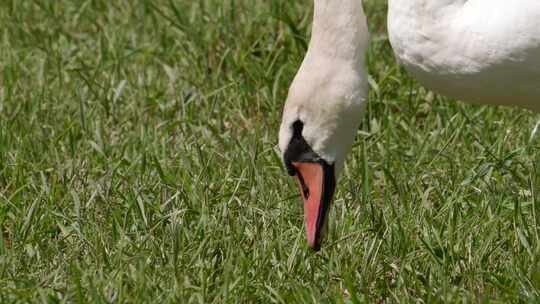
(324, 106)
(478, 51)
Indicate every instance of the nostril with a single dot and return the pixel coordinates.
(306, 191)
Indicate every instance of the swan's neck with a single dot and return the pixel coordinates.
(339, 30)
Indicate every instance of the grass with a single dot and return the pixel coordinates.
(138, 164)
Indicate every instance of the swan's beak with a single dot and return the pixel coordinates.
(317, 183)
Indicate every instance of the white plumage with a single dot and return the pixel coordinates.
(329, 91)
(478, 51)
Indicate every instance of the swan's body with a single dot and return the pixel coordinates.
(481, 51)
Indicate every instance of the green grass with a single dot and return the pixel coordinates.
(138, 164)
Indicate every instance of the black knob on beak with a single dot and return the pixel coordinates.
(299, 150)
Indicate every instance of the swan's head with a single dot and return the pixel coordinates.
(320, 120)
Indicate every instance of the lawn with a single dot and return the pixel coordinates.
(138, 164)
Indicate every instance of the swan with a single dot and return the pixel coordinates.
(324, 105)
(477, 51)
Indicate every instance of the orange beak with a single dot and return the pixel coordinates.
(317, 185)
